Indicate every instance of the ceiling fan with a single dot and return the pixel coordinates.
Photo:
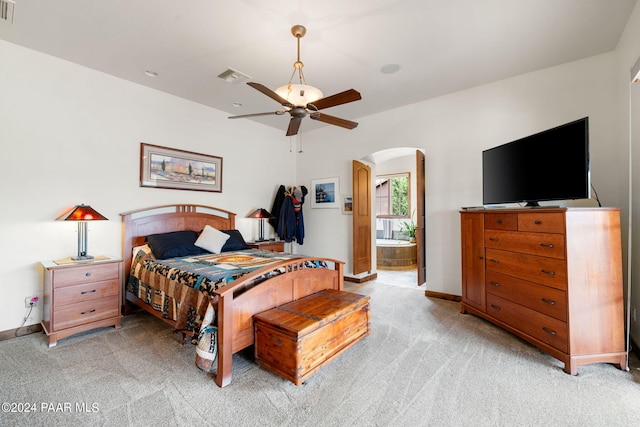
(300, 99)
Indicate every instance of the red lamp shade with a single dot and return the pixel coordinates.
(260, 214)
(82, 214)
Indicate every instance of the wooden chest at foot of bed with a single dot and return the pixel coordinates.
(296, 339)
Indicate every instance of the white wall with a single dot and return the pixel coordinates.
(71, 135)
(628, 52)
(453, 130)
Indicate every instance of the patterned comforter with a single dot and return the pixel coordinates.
(182, 288)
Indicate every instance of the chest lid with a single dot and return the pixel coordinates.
(303, 316)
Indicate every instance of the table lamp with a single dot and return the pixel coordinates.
(82, 214)
(260, 214)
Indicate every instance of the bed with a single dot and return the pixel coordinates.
(281, 281)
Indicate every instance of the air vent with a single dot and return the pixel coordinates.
(6, 11)
(233, 76)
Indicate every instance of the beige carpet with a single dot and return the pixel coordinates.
(423, 364)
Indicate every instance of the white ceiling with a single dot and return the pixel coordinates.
(441, 46)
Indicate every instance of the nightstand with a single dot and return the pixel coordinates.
(268, 245)
(79, 296)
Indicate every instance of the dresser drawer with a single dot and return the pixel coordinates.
(85, 312)
(540, 326)
(543, 244)
(550, 301)
(541, 222)
(85, 274)
(548, 271)
(86, 292)
(501, 221)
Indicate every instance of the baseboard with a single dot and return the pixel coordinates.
(363, 279)
(440, 295)
(20, 332)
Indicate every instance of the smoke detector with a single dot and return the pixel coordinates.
(7, 8)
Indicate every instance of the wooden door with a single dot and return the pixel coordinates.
(473, 285)
(361, 217)
(420, 217)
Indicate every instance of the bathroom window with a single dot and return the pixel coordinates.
(392, 196)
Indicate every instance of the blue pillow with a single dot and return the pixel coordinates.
(174, 244)
(235, 242)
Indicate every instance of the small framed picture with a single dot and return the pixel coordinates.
(347, 205)
(324, 193)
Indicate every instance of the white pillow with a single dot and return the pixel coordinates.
(211, 239)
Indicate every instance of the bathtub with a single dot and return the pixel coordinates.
(392, 242)
(396, 254)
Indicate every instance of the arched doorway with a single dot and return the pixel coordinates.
(389, 226)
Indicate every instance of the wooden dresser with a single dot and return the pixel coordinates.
(81, 296)
(550, 276)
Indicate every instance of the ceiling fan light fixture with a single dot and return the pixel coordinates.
(299, 94)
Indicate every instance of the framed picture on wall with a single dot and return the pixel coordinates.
(164, 167)
(347, 205)
(324, 193)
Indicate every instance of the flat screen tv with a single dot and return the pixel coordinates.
(546, 166)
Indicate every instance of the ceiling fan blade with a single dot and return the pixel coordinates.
(337, 99)
(271, 94)
(294, 126)
(337, 121)
(277, 113)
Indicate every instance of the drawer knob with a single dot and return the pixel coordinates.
(481, 257)
(87, 292)
(496, 284)
(548, 301)
(550, 273)
(537, 222)
(494, 239)
(549, 331)
(88, 274)
(495, 307)
(88, 312)
(547, 245)
(498, 221)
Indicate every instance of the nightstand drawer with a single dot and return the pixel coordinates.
(79, 293)
(84, 274)
(85, 312)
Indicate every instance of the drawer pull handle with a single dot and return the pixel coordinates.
(87, 292)
(498, 221)
(495, 307)
(537, 222)
(496, 284)
(497, 261)
(88, 274)
(494, 239)
(88, 312)
(550, 273)
(549, 331)
(547, 245)
(548, 301)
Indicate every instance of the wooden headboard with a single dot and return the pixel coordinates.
(136, 225)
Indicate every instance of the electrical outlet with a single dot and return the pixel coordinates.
(31, 301)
